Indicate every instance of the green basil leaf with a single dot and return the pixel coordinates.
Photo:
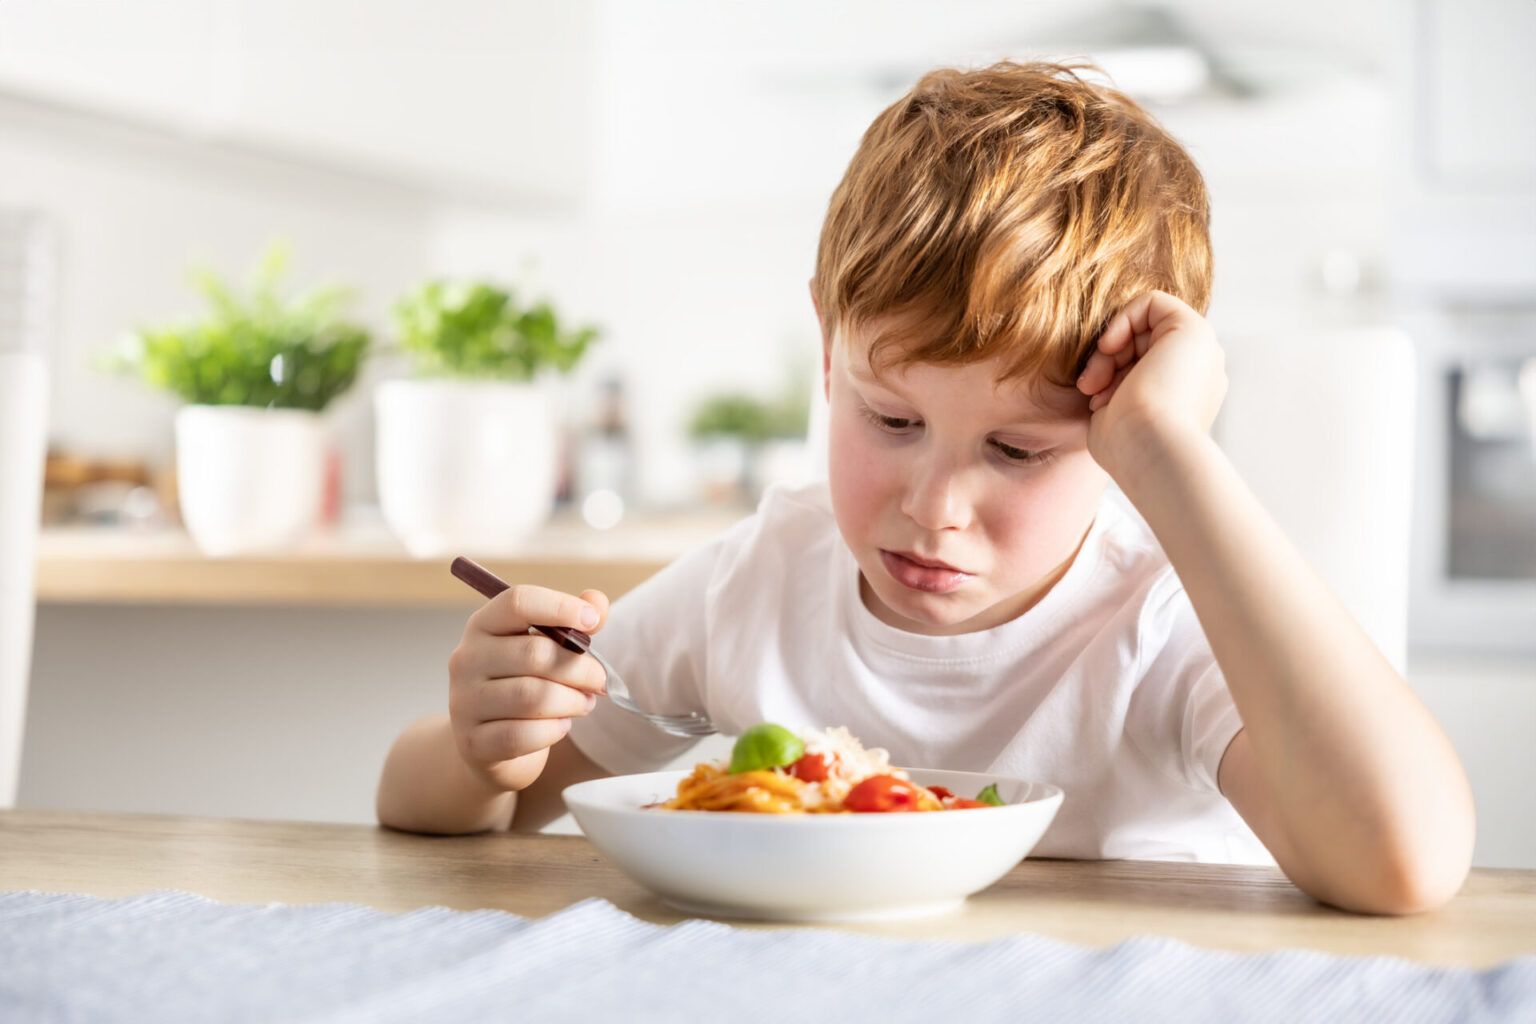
(765, 746)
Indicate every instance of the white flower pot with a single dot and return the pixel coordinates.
(249, 480)
(464, 466)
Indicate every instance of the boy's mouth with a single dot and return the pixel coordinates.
(924, 574)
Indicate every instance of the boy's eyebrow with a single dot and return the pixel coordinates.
(1046, 418)
(866, 375)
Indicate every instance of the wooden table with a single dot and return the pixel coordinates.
(1090, 902)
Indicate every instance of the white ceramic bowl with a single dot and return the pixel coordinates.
(812, 867)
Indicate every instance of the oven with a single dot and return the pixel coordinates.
(1473, 562)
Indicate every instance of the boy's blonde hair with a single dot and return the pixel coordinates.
(1009, 213)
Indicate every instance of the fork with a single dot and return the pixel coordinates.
(577, 642)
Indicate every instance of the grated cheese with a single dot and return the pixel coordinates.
(848, 764)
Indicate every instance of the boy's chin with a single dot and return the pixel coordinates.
(935, 615)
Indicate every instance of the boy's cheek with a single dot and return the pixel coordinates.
(1065, 493)
(858, 482)
(1072, 504)
(848, 448)
(855, 481)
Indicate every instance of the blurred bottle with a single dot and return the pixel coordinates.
(332, 490)
(605, 460)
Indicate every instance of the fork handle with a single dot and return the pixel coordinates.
(489, 584)
(573, 640)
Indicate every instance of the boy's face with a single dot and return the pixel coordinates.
(963, 499)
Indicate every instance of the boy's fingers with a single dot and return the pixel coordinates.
(513, 610)
(503, 740)
(523, 697)
(1116, 335)
(599, 600)
(1125, 339)
(1104, 369)
(1102, 399)
(1097, 373)
(546, 659)
(1130, 332)
(533, 656)
(1155, 313)
(1147, 310)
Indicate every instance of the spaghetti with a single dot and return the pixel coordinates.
(824, 772)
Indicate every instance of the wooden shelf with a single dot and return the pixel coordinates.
(357, 565)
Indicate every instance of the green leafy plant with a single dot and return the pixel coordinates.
(256, 350)
(479, 330)
(749, 418)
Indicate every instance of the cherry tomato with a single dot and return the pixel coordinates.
(810, 768)
(941, 792)
(959, 803)
(882, 793)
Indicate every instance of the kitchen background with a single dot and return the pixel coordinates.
(660, 168)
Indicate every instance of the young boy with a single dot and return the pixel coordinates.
(1010, 283)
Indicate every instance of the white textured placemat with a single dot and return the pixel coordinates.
(172, 956)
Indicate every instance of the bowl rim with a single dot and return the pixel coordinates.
(1049, 793)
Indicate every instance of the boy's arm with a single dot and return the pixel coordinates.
(1339, 769)
(427, 787)
(511, 698)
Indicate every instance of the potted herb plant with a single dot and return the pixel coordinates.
(467, 448)
(256, 372)
(743, 443)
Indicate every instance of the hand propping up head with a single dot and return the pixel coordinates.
(1156, 372)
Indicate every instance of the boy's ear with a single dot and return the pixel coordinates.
(826, 345)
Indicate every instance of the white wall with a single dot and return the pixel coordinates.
(252, 713)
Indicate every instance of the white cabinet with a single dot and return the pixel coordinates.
(1475, 104)
(1466, 213)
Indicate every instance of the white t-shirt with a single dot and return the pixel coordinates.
(1106, 687)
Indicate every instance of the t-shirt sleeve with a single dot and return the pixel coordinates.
(1181, 714)
(655, 638)
(1211, 722)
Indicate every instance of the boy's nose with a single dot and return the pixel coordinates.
(935, 496)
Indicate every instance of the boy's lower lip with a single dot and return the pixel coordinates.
(928, 579)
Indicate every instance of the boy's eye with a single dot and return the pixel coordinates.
(888, 422)
(1011, 453)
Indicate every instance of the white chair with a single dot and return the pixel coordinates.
(1321, 426)
(23, 429)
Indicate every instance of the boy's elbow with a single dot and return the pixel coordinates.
(390, 814)
(1429, 863)
(1421, 856)
(1418, 885)
(1412, 878)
